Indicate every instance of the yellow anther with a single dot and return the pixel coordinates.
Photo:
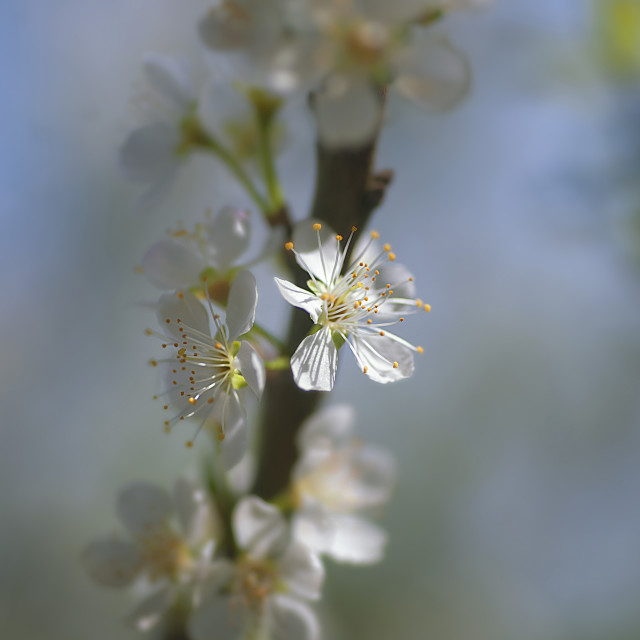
(401, 319)
(353, 275)
(148, 332)
(377, 272)
(391, 256)
(420, 349)
(427, 307)
(339, 238)
(354, 229)
(388, 286)
(365, 370)
(324, 296)
(188, 444)
(390, 292)
(410, 279)
(179, 233)
(182, 352)
(210, 400)
(395, 365)
(387, 247)
(288, 246)
(218, 345)
(382, 333)
(317, 226)
(153, 363)
(138, 269)
(192, 401)
(419, 303)
(375, 235)
(167, 429)
(220, 436)
(180, 295)
(369, 321)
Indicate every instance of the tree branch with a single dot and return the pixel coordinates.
(347, 193)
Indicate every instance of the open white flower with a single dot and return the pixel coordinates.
(336, 481)
(208, 371)
(263, 592)
(348, 304)
(153, 153)
(174, 560)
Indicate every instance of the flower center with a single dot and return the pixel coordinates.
(164, 554)
(255, 581)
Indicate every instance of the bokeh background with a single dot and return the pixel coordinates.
(517, 515)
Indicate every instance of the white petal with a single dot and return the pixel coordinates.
(259, 528)
(376, 477)
(236, 432)
(184, 307)
(171, 265)
(229, 235)
(149, 153)
(327, 426)
(308, 254)
(143, 507)
(252, 368)
(151, 610)
(397, 275)
(302, 571)
(241, 306)
(300, 298)
(378, 353)
(291, 619)
(170, 80)
(437, 76)
(313, 527)
(356, 541)
(218, 617)
(112, 562)
(348, 113)
(315, 362)
(193, 509)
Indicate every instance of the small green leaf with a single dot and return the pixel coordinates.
(235, 347)
(338, 340)
(238, 381)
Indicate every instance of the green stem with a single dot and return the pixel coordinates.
(240, 174)
(269, 171)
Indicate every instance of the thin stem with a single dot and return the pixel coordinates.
(240, 174)
(269, 171)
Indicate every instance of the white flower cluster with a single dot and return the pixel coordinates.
(239, 557)
(257, 577)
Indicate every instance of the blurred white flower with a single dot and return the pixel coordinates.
(336, 481)
(205, 259)
(262, 592)
(177, 558)
(153, 153)
(365, 47)
(349, 304)
(207, 373)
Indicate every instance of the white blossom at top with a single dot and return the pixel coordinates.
(349, 304)
(336, 481)
(262, 592)
(369, 45)
(207, 258)
(174, 560)
(153, 153)
(207, 372)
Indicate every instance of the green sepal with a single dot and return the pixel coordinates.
(235, 347)
(277, 364)
(238, 381)
(338, 340)
(313, 287)
(315, 329)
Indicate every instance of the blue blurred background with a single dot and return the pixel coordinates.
(518, 512)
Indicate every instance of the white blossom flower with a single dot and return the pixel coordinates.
(208, 371)
(174, 560)
(153, 153)
(336, 481)
(369, 45)
(205, 257)
(349, 304)
(262, 592)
